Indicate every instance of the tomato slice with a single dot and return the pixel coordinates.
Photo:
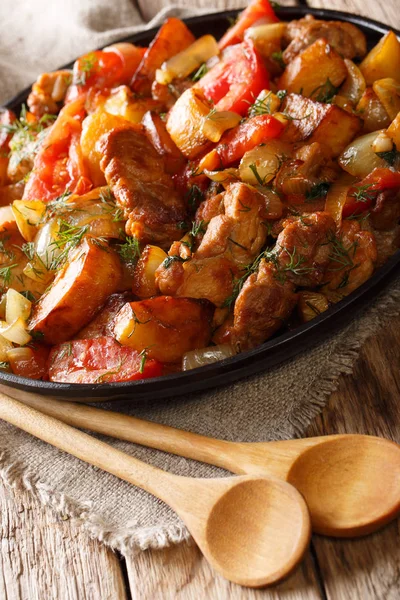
(258, 10)
(361, 196)
(59, 165)
(34, 367)
(237, 141)
(235, 82)
(99, 360)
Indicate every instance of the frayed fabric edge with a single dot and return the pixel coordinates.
(132, 539)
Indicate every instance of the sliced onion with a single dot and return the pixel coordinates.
(393, 131)
(354, 85)
(6, 215)
(259, 165)
(16, 332)
(45, 242)
(185, 62)
(5, 346)
(206, 356)
(382, 143)
(359, 157)
(17, 306)
(17, 354)
(217, 123)
(266, 38)
(267, 33)
(225, 176)
(28, 214)
(336, 198)
(273, 203)
(388, 92)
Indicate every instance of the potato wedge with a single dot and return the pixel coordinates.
(317, 122)
(93, 128)
(312, 69)
(144, 277)
(172, 37)
(311, 304)
(85, 282)
(388, 92)
(372, 111)
(185, 120)
(123, 103)
(166, 327)
(383, 60)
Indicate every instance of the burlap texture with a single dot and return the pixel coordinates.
(277, 404)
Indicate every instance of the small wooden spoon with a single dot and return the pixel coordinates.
(253, 530)
(351, 483)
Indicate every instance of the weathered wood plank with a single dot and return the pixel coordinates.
(180, 572)
(45, 558)
(366, 402)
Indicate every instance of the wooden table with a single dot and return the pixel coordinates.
(43, 557)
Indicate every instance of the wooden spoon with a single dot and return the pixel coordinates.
(253, 530)
(351, 483)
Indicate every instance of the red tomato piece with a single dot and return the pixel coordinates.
(237, 141)
(99, 360)
(97, 69)
(34, 367)
(59, 165)
(258, 10)
(361, 196)
(235, 82)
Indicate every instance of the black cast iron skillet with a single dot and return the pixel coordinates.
(276, 350)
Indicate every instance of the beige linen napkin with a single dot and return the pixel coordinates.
(276, 404)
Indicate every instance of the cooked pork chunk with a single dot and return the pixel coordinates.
(304, 247)
(260, 309)
(135, 173)
(345, 38)
(232, 241)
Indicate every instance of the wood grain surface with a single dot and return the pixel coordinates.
(43, 557)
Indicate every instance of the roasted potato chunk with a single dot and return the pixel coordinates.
(383, 60)
(173, 37)
(312, 69)
(165, 327)
(185, 123)
(92, 273)
(144, 277)
(93, 128)
(313, 121)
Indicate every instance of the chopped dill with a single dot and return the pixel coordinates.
(391, 156)
(318, 190)
(201, 71)
(364, 193)
(87, 66)
(325, 92)
(278, 58)
(130, 251)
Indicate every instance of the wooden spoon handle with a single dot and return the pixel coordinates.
(124, 427)
(99, 454)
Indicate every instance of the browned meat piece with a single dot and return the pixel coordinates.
(136, 175)
(168, 94)
(211, 207)
(232, 240)
(211, 278)
(48, 92)
(9, 193)
(386, 212)
(303, 248)
(387, 243)
(240, 233)
(103, 323)
(352, 260)
(262, 306)
(346, 38)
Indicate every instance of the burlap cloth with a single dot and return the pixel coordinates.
(274, 405)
